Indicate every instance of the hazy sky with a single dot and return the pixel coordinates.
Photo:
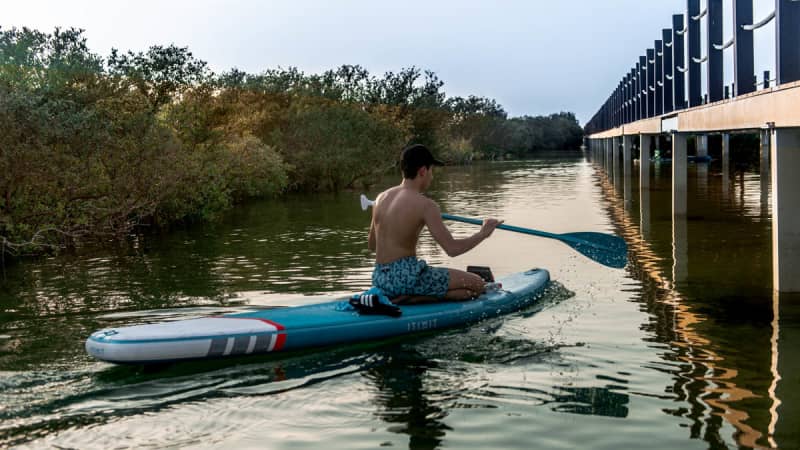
(533, 57)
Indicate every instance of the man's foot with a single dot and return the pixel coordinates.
(371, 304)
(493, 286)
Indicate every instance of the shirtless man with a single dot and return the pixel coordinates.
(398, 216)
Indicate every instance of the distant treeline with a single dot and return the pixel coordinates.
(92, 147)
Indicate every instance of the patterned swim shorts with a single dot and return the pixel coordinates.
(411, 276)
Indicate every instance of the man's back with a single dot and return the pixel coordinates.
(398, 219)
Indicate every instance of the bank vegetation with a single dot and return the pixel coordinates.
(93, 147)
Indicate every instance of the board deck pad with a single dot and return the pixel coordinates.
(286, 329)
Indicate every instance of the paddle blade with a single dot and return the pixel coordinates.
(365, 202)
(607, 249)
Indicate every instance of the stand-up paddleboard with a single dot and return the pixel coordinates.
(287, 329)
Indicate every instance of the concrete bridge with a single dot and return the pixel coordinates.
(662, 95)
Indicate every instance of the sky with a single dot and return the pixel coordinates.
(534, 57)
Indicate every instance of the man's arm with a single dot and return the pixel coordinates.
(454, 247)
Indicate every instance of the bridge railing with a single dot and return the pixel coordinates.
(667, 77)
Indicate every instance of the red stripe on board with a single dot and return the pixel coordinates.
(279, 342)
(274, 324)
(267, 321)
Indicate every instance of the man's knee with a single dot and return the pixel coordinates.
(465, 280)
(475, 283)
(480, 288)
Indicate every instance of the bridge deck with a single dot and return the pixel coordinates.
(779, 105)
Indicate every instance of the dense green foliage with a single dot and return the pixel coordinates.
(91, 147)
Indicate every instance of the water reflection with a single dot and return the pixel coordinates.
(680, 250)
(405, 402)
(783, 391)
(726, 174)
(644, 212)
(627, 182)
(592, 401)
(701, 173)
(724, 383)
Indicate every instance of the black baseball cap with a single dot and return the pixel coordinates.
(416, 156)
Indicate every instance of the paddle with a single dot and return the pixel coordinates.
(606, 249)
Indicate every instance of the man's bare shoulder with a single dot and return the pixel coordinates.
(418, 201)
(388, 193)
(428, 202)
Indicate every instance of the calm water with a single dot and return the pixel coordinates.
(685, 348)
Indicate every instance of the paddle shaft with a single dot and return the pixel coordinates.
(605, 249)
(520, 230)
(502, 226)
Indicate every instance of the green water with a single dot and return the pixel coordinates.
(685, 348)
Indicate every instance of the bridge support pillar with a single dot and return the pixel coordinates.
(678, 174)
(644, 160)
(596, 150)
(764, 174)
(627, 146)
(766, 138)
(702, 145)
(786, 209)
(615, 169)
(601, 152)
(598, 147)
(726, 163)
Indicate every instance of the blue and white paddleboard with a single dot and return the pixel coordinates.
(287, 329)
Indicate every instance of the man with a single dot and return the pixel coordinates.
(398, 216)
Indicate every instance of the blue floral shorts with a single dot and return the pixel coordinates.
(411, 276)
